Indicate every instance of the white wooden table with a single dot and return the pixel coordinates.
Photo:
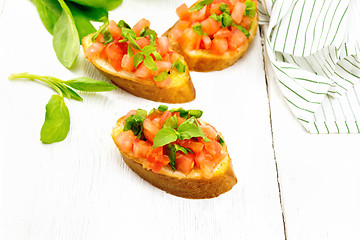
(291, 185)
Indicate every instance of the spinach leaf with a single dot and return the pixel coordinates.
(66, 39)
(89, 85)
(57, 121)
(49, 12)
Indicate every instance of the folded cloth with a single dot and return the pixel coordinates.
(316, 61)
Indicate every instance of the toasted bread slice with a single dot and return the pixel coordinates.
(204, 60)
(181, 89)
(194, 185)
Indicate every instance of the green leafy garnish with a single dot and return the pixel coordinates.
(162, 108)
(200, 5)
(149, 63)
(195, 113)
(161, 76)
(226, 19)
(221, 141)
(107, 36)
(138, 58)
(57, 119)
(165, 136)
(179, 66)
(100, 30)
(151, 33)
(135, 122)
(224, 7)
(171, 153)
(241, 28)
(250, 9)
(187, 113)
(123, 24)
(198, 30)
(171, 122)
(215, 17)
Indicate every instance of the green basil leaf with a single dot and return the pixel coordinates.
(200, 5)
(171, 122)
(250, 9)
(163, 108)
(157, 55)
(141, 113)
(180, 148)
(198, 30)
(164, 136)
(101, 29)
(126, 32)
(66, 91)
(152, 111)
(57, 121)
(107, 4)
(49, 12)
(138, 58)
(195, 113)
(130, 52)
(161, 76)
(171, 153)
(224, 7)
(66, 39)
(183, 112)
(89, 85)
(226, 19)
(135, 123)
(215, 17)
(179, 66)
(123, 24)
(244, 30)
(82, 22)
(221, 141)
(152, 35)
(190, 129)
(149, 63)
(132, 41)
(107, 36)
(148, 49)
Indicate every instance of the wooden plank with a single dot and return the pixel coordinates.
(81, 189)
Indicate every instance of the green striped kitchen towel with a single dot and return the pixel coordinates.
(315, 58)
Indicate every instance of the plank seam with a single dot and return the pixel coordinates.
(262, 35)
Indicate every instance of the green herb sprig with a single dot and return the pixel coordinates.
(69, 22)
(57, 118)
(200, 5)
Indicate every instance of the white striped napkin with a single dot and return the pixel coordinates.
(316, 61)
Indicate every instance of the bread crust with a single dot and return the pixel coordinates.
(181, 89)
(203, 60)
(193, 186)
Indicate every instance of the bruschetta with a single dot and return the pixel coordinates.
(213, 35)
(139, 62)
(176, 151)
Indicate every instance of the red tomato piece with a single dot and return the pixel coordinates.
(219, 45)
(224, 32)
(162, 66)
(203, 160)
(125, 140)
(127, 63)
(139, 26)
(194, 146)
(156, 160)
(209, 131)
(182, 24)
(150, 129)
(206, 42)
(190, 40)
(214, 148)
(238, 12)
(141, 148)
(214, 8)
(183, 11)
(246, 22)
(114, 54)
(184, 162)
(164, 83)
(142, 42)
(210, 26)
(198, 16)
(143, 72)
(175, 34)
(237, 39)
(162, 44)
(94, 50)
(100, 38)
(164, 117)
(114, 30)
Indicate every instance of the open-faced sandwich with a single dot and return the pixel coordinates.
(175, 151)
(214, 34)
(139, 62)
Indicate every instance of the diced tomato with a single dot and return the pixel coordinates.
(114, 30)
(237, 39)
(141, 148)
(131, 112)
(214, 148)
(175, 34)
(198, 16)
(94, 50)
(142, 42)
(175, 56)
(127, 63)
(114, 54)
(162, 66)
(143, 72)
(150, 129)
(194, 146)
(209, 131)
(139, 26)
(190, 40)
(224, 32)
(238, 12)
(203, 161)
(162, 44)
(210, 26)
(184, 162)
(183, 11)
(125, 140)
(156, 160)
(164, 83)
(182, 25)
(206, 42)
(233, 2)
(100, 38)
(215, 8)
(164, 117)
(246, 22)
(219, 45)
(155, 114)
